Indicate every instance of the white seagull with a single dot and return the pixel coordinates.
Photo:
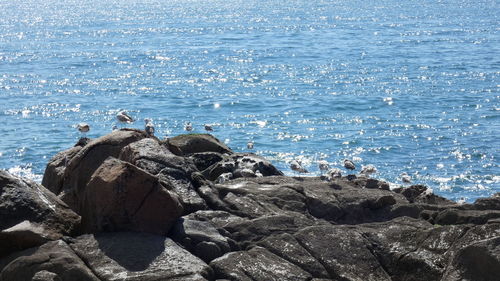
(188, 127)
(368, 170)
(250, 144)
(405, 177)
(323, 165)
(297, 167)
(348, 164)
(333, 173)
(149, 127)
(123, 117)
(83, 128)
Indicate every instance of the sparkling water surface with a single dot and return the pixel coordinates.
(408, 86)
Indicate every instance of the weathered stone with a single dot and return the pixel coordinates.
(149, 155)
(138, 256)
(54, 172)
(83, 165)
(204, 160)
(31, 215)
(184, 145)
(55, 256)
(256, 264)
(121, 197)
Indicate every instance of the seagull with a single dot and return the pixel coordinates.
(149, 127)
(208, 128)
(323, 165)
(188, 127)
(368, 170)
(405, 177)
(123, 117)
(250, 144)
(297, 167)
(83, 128)
(333, 173)
(349, 165)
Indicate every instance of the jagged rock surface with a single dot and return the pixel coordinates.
(255, 226)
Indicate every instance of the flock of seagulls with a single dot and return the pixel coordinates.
(295, 165)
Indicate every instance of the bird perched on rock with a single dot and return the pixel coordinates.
(323, 165)
(368, 170)
(123, 117)
(149, 127)
(297, 167)
(188, 127)
(250, 144)
(348, 164)
(405, 177)
(333, 173)
(209, 128)
(83, 127)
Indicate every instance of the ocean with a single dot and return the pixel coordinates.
(407, 86)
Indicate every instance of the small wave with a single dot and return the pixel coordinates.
(25, 172)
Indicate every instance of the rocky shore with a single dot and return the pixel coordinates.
(127, 206)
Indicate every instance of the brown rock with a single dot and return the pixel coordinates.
(193, 143)
(120, 196)
(89, 158)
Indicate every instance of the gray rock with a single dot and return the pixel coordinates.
(256, 264)
(240, 165)
(31, 215)
(55, 257)
(138, 256)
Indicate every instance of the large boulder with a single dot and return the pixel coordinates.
(81, 167)
(31, 215)
(54, 259)
(120, 196)
(54, 172)
(138, 256)
(184, 145)
(153, 157)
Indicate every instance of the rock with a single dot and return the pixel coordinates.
(31, 215)
(241, 165)
(256, 264)
(421, 194)
(81, 167)
(54, 172)
(457, 216)
(138, 256)
(200, 238)
(149, 155)
(54, 260)
(120, 196)
(344, 253)
(204, 160)
(184, 145)
(479, 261)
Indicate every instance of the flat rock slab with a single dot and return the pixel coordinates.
(257, 264)
(138, 256)
(194, 143)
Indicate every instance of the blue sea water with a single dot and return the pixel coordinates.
(408, 86)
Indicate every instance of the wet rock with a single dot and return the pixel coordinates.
(121, 197)
(457, 216)
(256, 264)
(204, 160)
(184, 145)
(55, 257)
(138, 256)
(31, 215)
